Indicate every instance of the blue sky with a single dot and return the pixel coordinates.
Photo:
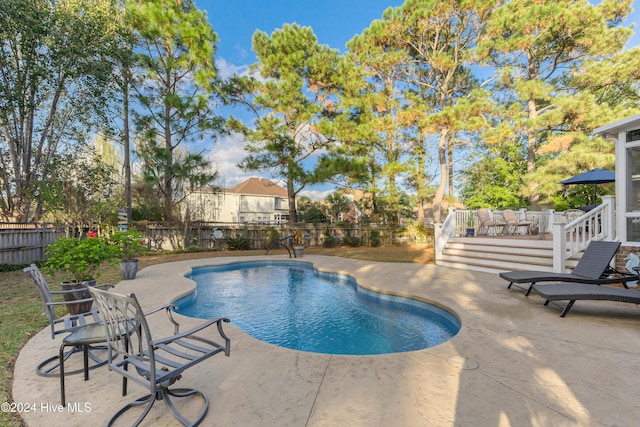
(334, 22)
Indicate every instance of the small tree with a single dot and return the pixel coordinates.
(176, 48)
(299, 78)
(80, 189)
(54, 68)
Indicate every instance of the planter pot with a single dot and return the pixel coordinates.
(81, 293)
(471, 232)
(128, 268)
(298, 251)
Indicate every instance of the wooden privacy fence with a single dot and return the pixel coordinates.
(25, 243)
(212, 235)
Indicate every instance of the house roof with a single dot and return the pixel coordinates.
(259, 186)
(613, 128)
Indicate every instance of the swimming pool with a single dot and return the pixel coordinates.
(293, 305)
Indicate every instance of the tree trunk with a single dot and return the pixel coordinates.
(420, 181)
(168, 191)
(450, 162)
(291, 195)
(127, 144)
(442, 159)
(534, 197)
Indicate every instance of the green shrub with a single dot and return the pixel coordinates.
(374, 238)
(78, 259)
(352, 241)
(270, 236)
(128, 244)
(328, 241)
(237, 243)
(418, 233)
(4, 268)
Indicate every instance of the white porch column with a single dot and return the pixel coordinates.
(609, 226)
(559, 247)
(439, 240)
(442, 232)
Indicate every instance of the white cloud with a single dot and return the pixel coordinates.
(225, 155)
(316, 194)
(227, 69)
(228, 151)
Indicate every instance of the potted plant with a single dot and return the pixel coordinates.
(79, 261)
(129, 245)
(471, 230)
(298, 243)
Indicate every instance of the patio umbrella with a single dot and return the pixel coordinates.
(594, 176)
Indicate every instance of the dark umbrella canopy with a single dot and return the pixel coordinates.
(594, 176)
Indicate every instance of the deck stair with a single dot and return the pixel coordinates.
(495, 255)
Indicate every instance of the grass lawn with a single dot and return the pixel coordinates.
(22, 314)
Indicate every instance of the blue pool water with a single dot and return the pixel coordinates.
(293, 305)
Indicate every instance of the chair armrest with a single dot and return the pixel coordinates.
(69, 302)
(167, 308)
(161, 307)
(67, 291)
(195, 329)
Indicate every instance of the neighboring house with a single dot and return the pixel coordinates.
(354, 214)
(254, 200)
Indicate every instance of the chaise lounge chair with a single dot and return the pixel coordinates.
(593, 268)
(580, 291)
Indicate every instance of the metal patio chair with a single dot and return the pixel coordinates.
(64, 324)
(155, 364)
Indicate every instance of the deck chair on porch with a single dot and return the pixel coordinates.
(593, 268)
(486, 222)
(514, 223)
(157, 363)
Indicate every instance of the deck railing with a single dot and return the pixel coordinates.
(570, 235)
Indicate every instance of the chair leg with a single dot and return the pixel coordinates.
(164, 395)
(184, 392)
(62, 359)
(85, 359)
(526, 294)
(567, 308)
(49, 367)
(149, 399)
(44, 370)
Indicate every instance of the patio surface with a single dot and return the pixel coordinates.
(515, 362)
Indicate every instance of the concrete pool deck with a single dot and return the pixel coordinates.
(514, 362)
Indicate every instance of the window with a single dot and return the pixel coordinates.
(244, 204)
(632, 205)
(633, 135)
(633, 179)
